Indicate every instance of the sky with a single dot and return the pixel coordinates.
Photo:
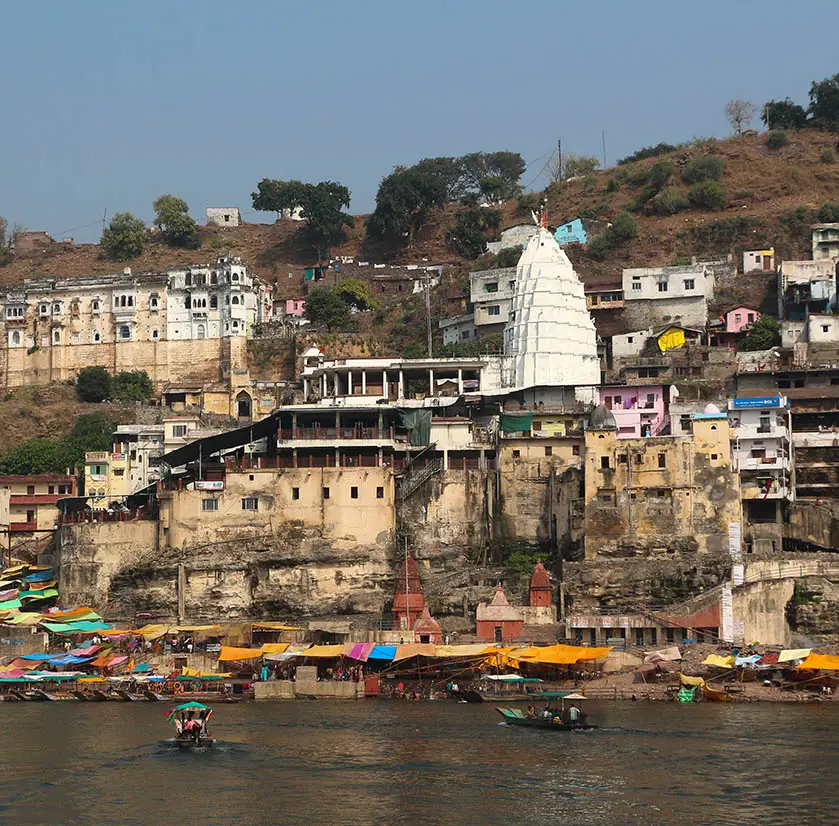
(107, 105)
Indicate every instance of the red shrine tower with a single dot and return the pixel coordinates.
(409, 599)
(541, 592)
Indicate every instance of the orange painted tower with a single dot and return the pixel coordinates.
(541, 591)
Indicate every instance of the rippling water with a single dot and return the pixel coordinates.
(428, 762)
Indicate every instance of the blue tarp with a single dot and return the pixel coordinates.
(748, 662)
(141, 668)
(382, 652)
(69, 659)
(40, 656)
(76, 627)
(40, 576)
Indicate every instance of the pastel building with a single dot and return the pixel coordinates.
(295, 307)
(499, 621)
(639, 410)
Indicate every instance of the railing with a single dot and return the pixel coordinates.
(334, 433)
(21, 527)
(414, 479)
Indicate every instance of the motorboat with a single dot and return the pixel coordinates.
(190, 721)
(550, 718)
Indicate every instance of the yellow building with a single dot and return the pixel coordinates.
(32, 500)
(666, 494)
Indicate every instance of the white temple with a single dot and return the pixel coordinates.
(550, 339)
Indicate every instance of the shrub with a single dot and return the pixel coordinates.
(93, 384)
(719, 235)
(829, 213)
(741, 194)
(706, 168)
(763, 334)
(525, 204)
(613, 185)
(509, 257)
(599, 246)
(827, 156)
(623, 228)
(668, 202)
(777, 138)
(707, 195)
(648, 152)
(132, 386)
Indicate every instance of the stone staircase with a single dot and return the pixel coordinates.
(414, 478)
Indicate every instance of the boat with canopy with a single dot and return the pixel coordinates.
(190, 721)
(555, 719)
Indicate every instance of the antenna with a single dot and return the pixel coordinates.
(603, 137)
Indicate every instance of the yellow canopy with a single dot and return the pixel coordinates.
(671, 339)
(475, 650)
(558, 654)
(194, 672)
(686, 680)
(821, 662)
(790, 654)
(275, 626)
(152, 632)
(718, 662)
(188, 629)
(24, 619)
(417, 649)
(230, 654)
(274, 647)
(323, 651)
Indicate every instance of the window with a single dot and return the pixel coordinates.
(516, 454)
(494, 309)
(97, 337)
(549, 451)
(737, 318)
(618, 400)
(16, 338)
(155, 335)
(234, 276)
(56, 336)
(125, 332)
(119, 471)
(94, 306)
(45, 309)
(295, 493)
(326, 493)
(51, 489)
(492, 287)
(750, 317)
(30, 490)
(536, 427)
(623, 459)
(250, 503)
(604, 462)
(178, 430)
(662, 286)
(235, 299)
(825, 328)
(380, 493)
(690, 283)
(630, 339)
(575, 450)
(202, 333)
(464, 335)
(56, 308)
(63, 489)
(714, 457)
(636, 286)
(209, 504)
(153, 304)
(214, 302)
(605, 498)
(639, 459)
(662, 460)
(608, 402)
(353, 492)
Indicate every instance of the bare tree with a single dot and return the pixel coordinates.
(739, 113)
(572, 166)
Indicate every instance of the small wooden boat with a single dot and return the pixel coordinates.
(84, 696)
(191, 729)
(715, 695)
(153, 696)
(187, 742)
(129, 697)
(515, 717)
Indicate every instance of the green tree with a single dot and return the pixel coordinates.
(404, 201)
(39, 455)
(5, 245)
(497, 172)
(777, 138)
(763, 334)
(509, 257)
(707, 195)
(93, 384)
(824, 103)
(624, 228)
(132, 386)
(783, 114)
(124, 237)
(469, 233)
(355, 293)
(576, 166)
(325, 308)
(93, 431)
(176, 225)
(705, 168)
(276, 196)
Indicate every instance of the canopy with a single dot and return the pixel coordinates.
(358, 650)
(323, 651)
(510, 678)
(515, 423)
(417, 649)
(558, 654)
(718, 662)
(190, 706)
(790, 654)
(575, 697)
(687, 680)
(382, 652)
(821, 662)
(476, 650)
(275, 626)
(747, 662)
(230, 654)
(274, 647)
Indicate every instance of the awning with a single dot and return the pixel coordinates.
(230, 654)
(358, 650)
(717, 661)
(274, 647)
(510, 678)
(476, 650)
(404, 652)
(790, 654)
(274, 626)
(323, 651)
(686, 680)
(820, 662)
(382, 652)
(558, 654)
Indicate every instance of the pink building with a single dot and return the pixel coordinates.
(740, 317)
(295, 307)
(638, 410)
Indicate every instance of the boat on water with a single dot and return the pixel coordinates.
(190, 721)
(715, 695)
(550, 718)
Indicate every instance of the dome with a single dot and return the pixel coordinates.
(312, 352)
(601, 418)
(540, 579)
(711, 408)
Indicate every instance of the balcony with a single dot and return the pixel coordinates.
(763, 463)
(335, 434)
(23, 527)
(776, 491)
(755, 431)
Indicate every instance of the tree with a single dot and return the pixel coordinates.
(824, 103)
(124, 237)
(739, 113)
(39, 455)
(404, 200)
(132, 386)
(763, 334)
(624, 228)
(707, 195)
(783, 114)
(705, 168)
(572, 166)
(506, 168)
(354, 292)
(321, 207)
(93, 431)
(468, 234)
(93, 384)
(5, 246)
(324, 307)
(509, 256)
(175, 223)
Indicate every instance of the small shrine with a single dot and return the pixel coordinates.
(409, 599)
(499, 621)
(427, 629)
(541, 590)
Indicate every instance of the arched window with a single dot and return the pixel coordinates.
(213, 302)
(188, 303)
(97, 337)
(16, 338)
(155, 334)
(235, 299)
(95, 306)
(56, 308)
(214, 277)
(201, 331)
(188, 279)
(125, 332)
(56, 336)
(153, 302)
(130, 300)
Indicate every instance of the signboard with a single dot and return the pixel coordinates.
(763, 401)
(206, 485)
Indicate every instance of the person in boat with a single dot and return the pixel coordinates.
(531, 712)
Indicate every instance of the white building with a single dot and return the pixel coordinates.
(630, 344)
(655, 296)
(223, 217)
(516, 236)
(759, 260)
(550, 339)
(825, 241)
(460, 328)
(806, 287)
(491, 294)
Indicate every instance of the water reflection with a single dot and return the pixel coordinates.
(402, 762)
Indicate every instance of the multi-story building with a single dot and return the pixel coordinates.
(459, 329)
(32, 500)
(655, 296)
(806, 287)
(825, 240)
(127, 467)
(639, 410)
(184, 325)
(491, 294)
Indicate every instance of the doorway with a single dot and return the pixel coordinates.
(243, 406)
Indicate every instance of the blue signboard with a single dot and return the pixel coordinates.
(764, 401)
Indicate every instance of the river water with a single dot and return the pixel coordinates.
(406, 762)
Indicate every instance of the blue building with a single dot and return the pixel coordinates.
(571, 233)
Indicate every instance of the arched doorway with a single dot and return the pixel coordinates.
(243, 405)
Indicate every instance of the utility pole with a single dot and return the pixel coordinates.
(603, 136)
(559, 154)
(428, 313)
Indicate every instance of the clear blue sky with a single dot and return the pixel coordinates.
(109, 104)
